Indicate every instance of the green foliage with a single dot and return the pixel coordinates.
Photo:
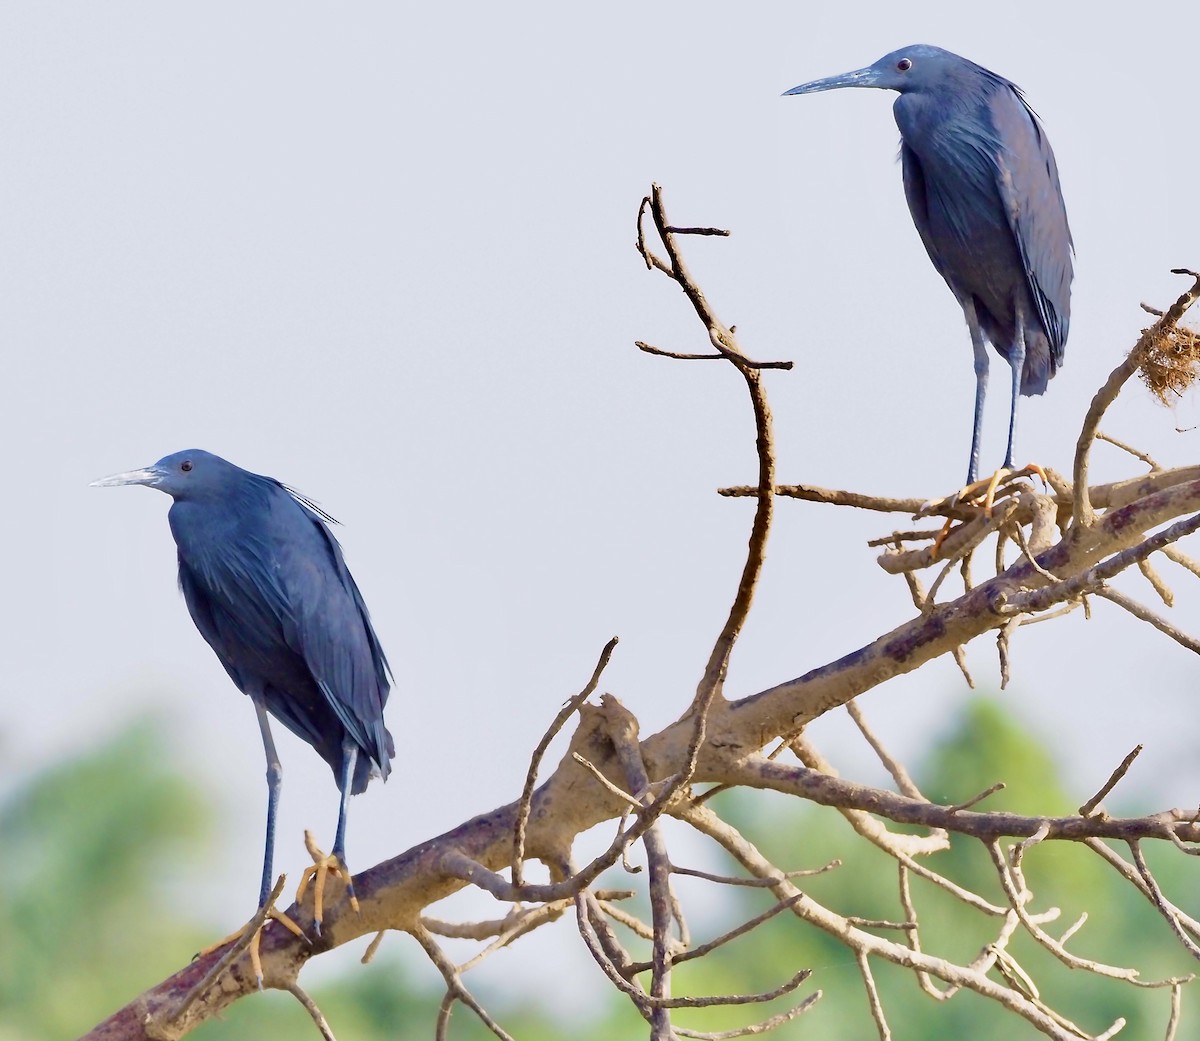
(84, 915)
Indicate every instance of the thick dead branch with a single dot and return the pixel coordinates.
(760, 772)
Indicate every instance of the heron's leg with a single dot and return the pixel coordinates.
(973, 486)
(335, 862)
(989, 485)
(1016, 358)
(250, 934)
(349, 761)
(979, 345)
(274, 784)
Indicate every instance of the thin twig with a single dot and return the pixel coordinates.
(372, 947)
(660, 352)
(892, 843)
(1167, 909)
(1157, 583)
(754, 1029)
(1130, 873)
(1146, 615)
(1103, 496)
(311, 1008)
(594, 770)
(1003, 643)
(958, 807)
(1114, 779)
(893, 766)
(724, 938)
(525, 922)
(248, 936)
(615, 958)
(1073, 928)
(1182, 559)
(454, 983)
(711, 1001)
(843, 497)
(565, 713)
(1019, 535)
(589, 919)
(631, 922)
(1017, 897)
(698, 231)
(442, 1027)
(864, 967)
(816, 787)
(756, 883)
(896, 537)
(879, 923)
(1136, 453)
(1176, 1007)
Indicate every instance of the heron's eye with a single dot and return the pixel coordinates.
(904, 64)
(186, 465)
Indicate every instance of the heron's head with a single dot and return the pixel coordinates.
(908, 70)
(194, 474)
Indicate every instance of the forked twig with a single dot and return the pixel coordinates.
(565, 713)
(455, 988)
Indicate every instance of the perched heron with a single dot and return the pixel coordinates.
(266, 584)
(982, 187)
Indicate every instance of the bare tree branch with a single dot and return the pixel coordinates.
(1073, 541)
(1106, 395)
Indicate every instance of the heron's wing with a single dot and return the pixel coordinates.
(331, 629)
(239, 619)
(1027, 178)
(200, 607)
(918, 199)
(949, 183)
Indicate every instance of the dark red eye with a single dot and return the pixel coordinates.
(186, 465)
(904, 65)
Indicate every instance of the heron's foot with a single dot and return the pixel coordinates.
(1002, 478)
(941, 537)
(249, 936)
(323, 866)
(979, 494)
(983, 492)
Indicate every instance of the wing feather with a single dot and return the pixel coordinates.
(1027, 179)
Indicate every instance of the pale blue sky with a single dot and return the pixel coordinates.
(385, 253)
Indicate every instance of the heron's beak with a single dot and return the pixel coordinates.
(867, 77)
(148, 476)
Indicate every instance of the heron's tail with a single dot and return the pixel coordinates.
(1040, 364)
